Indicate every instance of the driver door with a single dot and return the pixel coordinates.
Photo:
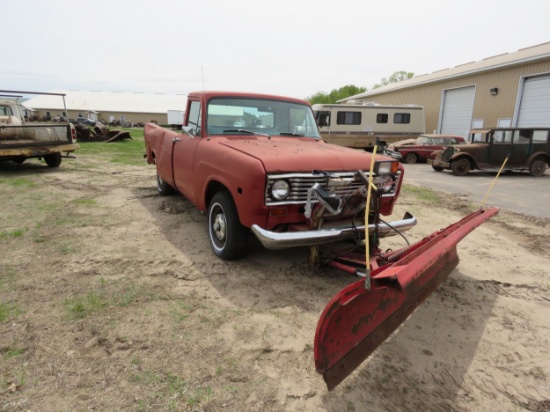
(185, 146)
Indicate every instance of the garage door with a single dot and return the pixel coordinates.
(458, 106)
(534, 107)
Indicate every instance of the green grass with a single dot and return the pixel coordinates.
(12, 233)
(8, 277)
(86, 202)
(8, 353)
(8, 310)
(81, 307)
(103, 297)
(423, 194)
(18, 182)
(127, 152)
(174, 390)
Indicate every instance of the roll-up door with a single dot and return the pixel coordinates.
(457, 109)
(534, 106)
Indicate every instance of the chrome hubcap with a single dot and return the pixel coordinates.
(219, 226)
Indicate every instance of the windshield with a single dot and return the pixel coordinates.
(269, 117)
(5, 111)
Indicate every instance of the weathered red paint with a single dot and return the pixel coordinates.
(356, 321)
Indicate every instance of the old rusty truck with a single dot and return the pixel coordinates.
(21, 139)
(257, 166)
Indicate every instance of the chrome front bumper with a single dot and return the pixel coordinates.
(283, 240)
(394, 154)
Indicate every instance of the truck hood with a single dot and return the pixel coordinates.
(294, 154)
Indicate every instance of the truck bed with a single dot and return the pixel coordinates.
(38, 134)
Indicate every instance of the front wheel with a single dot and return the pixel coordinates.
(537, 167)
(163, 188)
(460, 167)
(228, 238)
(437, 168)
(53, 160)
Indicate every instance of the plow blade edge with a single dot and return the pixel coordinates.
(356, 321)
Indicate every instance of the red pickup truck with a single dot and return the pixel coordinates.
(256, 164)
(252, 160)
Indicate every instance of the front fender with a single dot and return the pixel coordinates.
(459, 155)
(241, 175)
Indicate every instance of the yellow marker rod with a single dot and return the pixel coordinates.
(494, 181)
(367, 206)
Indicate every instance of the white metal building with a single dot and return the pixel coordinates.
(109, 106)
(511, 89)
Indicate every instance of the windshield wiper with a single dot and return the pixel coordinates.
(238, 131)
(245, 131)
(291, 134)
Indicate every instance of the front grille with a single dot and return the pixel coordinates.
(341, 183)
(448, 152)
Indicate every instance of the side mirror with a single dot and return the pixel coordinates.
(190, 130)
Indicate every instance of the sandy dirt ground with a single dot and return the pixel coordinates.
(111, 299)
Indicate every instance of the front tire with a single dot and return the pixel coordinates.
(537, 167)
(163, 188)
(53, 160)
(460, 167)
(437, 168)
(228, 238)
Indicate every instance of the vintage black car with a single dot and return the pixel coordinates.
(83, 120)
(524, 148)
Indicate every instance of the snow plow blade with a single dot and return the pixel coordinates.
(365, 313)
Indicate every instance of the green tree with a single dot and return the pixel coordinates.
(335, 94)
(394, 78)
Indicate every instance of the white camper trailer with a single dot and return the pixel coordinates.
(175, 118)
(363, 125)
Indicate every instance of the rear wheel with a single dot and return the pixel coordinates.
(53, 160)
(410, 158)
(460, 167)
(228, 238)
(537, 167)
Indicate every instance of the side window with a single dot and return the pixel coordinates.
(522, 136)
(348, 118)
(323, 118)
(540, 136)
(5, 111)
(402, 118)
(195, 117)
(502, 136)
(382, 118)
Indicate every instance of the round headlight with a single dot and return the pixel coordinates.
(280, 189)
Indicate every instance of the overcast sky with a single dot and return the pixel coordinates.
(294, 48)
